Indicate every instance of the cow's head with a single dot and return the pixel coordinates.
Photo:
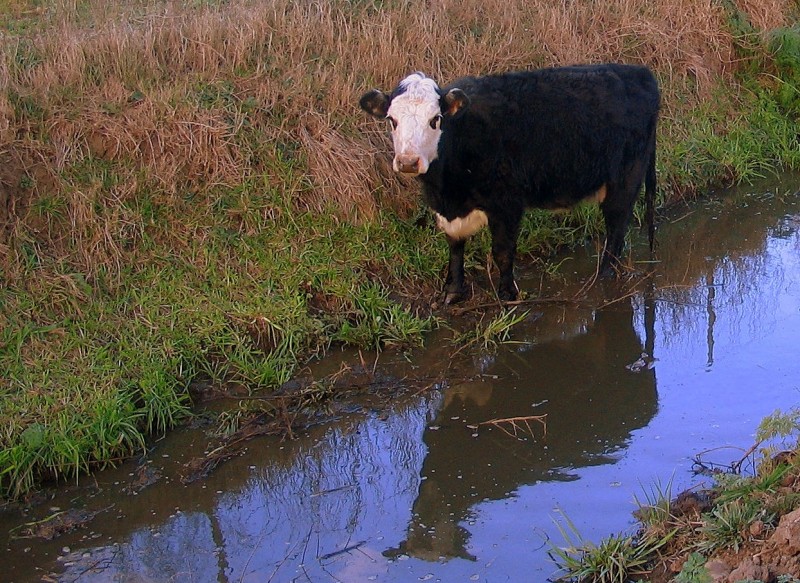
(415, 110)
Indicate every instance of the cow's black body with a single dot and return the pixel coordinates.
(547, 139)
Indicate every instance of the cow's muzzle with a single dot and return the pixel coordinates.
(407, 165)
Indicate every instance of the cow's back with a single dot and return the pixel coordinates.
(546, 138)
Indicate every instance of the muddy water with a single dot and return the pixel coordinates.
(429, 489)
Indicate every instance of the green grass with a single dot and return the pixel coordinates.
(726, 526)
(93, 368)
(653, 511)
(489, 332)
(713, 147)
(616, 559)
(736, 486)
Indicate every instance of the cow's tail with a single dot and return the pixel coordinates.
(650, 194)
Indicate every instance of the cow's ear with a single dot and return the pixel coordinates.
(454, 101)
(375, 103)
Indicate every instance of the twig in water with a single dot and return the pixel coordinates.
(737, 466)
(712, 467)
(347, 549)
(533, 301)
(518, 424)
(593, 280)
(633, 291)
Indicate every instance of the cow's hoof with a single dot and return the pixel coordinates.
(507, 295)
(453, 296)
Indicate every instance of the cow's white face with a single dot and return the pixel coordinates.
(416, 118)
(415, 111)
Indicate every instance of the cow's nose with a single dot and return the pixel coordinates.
(408, 164)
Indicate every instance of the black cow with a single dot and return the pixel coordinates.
(487, 148)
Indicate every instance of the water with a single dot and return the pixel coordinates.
(684, 364)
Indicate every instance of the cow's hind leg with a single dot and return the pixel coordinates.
(505, 230)
(616, 221)
(617, 213)
(454, 288)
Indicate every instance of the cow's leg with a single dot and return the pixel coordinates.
(454, 288)
(505, 230)
(617, 213)
(616, 220)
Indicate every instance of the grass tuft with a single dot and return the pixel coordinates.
(654, 511)
(616, 559)
(726, 526)
(488, 335)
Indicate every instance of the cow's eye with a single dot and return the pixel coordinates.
(436, 121)
(392, 121)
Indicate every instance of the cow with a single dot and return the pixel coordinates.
(487, 148)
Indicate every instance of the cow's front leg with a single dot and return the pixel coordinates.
(454, 288)
(504, 246)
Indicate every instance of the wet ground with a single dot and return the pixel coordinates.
(593, 404)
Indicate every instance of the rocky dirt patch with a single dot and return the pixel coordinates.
(769, 551)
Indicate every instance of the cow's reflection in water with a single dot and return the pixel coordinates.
(593, 398)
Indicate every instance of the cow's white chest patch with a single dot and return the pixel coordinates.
(463, 227)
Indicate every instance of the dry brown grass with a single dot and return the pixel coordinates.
(765, 14)
(122, 85)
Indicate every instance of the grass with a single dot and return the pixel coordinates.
(654, 510)
(744, 510)
(616, 559)
(188, 191)
(726, 526)
(218, 312)
(488, 333)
